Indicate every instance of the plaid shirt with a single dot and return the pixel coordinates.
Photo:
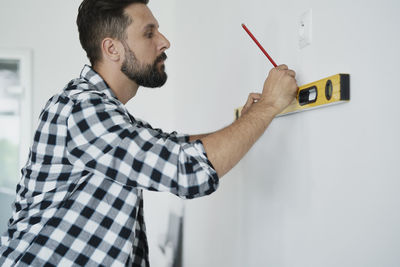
(79, 201)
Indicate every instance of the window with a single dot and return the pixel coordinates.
(15, 115)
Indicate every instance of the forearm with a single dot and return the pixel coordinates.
(197, 137)
(226, 147)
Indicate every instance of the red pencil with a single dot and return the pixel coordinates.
(259, 45)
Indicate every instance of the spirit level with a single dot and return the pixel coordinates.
(332, 90)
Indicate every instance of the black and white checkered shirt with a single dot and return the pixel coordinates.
(79, 201)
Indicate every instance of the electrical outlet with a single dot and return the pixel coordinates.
(305, 29)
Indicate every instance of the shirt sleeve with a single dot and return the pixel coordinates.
(178, 137)
(102, 139)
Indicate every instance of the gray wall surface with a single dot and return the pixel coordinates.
(320, 188)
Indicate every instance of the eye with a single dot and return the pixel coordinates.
(149, 35)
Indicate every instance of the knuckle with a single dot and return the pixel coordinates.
(290, 72)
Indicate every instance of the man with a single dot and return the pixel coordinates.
(79, 201)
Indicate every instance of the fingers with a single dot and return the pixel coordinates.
(286, 69)
(282, 67)
(291, 73)
(253, 97)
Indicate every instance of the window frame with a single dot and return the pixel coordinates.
(24, 58)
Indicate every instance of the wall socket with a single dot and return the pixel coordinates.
(305, 29)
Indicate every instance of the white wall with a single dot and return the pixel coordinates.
(319, 188)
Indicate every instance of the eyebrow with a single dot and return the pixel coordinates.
(150, 27)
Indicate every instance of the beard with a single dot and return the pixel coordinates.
(146, 75)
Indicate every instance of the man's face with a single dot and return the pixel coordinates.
(144, 48)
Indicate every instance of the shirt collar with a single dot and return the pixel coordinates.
(90, 75)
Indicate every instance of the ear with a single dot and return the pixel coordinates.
(111, 49)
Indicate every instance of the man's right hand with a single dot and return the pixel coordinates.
(280, 88)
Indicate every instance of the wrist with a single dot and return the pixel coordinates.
(268, 108)
(261, 111)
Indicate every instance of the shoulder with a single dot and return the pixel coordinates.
(79, 90)
(78, 94)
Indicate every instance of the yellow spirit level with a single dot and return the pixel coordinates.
(332, 90)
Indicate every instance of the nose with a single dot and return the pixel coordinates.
(164, 44)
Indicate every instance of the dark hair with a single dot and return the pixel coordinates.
(98, 19)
